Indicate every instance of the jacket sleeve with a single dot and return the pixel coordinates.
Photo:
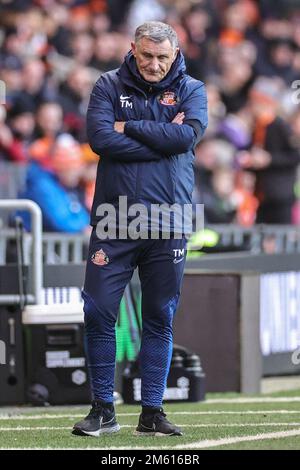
(290, 158)
(172, 138)
(104, 140)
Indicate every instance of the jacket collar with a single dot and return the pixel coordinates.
(130, 75)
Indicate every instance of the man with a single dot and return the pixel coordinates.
(64, 211)
(273, 157)
(144, 119)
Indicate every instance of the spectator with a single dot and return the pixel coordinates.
(280, 60)
(105, 53)
(215, 180)
(5, 135)
(82, 46)
(74, 101)
(237, 128)
(49, 120)
(144, 10)
(49, 124)
(21, 122)
(216, 109)
(245, 199)
(59, 35)
(64, 210)
(79, 19)
(35, 83)
(11, 74)
(30, 24)
(197, 22)
(272, 157)
(235, 86)
(101, 23)
(220, 205)
(51, 52)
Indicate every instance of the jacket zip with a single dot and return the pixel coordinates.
(147, 101)
(138, 179)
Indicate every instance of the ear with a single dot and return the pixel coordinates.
(133, 48)
(176, 53)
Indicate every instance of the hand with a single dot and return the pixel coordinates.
(256, 158)
(260, 158)
(244, 158)
(6, 137)
(119, 126)
(178, 119)
(87, 230)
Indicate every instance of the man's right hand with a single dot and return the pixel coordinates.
(178, 119)
(119, 126)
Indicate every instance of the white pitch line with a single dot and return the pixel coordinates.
(257, 412)
(195, 445)
(25, 418)
(38, 428)
(206, 425)
(217, 442)
(182, 413)
(235, 440)
(253, 400)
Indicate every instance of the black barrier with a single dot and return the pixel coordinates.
(201, 324)
(12, 380)
(56, 371)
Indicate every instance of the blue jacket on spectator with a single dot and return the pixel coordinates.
(61, 207)
(152, 162)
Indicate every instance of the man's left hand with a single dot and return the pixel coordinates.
(119, 126)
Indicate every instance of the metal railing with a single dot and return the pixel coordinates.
(57, 248)
(277, 239)
(64, 248)
(34, 247)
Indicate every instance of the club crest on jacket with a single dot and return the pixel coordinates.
(100, 258)
(168, 98)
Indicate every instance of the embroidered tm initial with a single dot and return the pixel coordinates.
(124, 101)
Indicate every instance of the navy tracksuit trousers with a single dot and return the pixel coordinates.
(110, 267)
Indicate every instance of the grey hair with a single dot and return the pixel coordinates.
(157, 32)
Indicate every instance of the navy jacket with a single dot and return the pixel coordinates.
(152, 162)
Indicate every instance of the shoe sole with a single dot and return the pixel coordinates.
(111, 430)
(156, 434)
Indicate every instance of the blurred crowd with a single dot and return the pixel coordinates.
(248, 54)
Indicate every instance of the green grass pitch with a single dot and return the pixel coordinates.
(223, 421)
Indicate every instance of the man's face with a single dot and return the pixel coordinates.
(153, 59)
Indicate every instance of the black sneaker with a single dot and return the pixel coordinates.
(100, 420)
(156, 424)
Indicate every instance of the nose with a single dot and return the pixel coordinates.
(155, 65)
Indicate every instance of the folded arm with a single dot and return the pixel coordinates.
(103, 138)
(173, 138)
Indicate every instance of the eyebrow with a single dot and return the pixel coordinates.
(150, 54)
